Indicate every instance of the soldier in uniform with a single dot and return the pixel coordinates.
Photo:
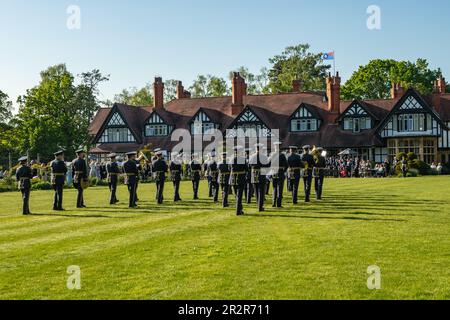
(295, 166)
(308, 161)
(59, 171)
(224, 179)
(160, 168)
(258, 163)
(248, 190)
(113, 171)
(279, 167)
(212, 174)
(195, 171)
(24, 176)
(80, 176)
(208, 177)
(131, 171)
(319, 173)
(404, 164)
(239, 169)
(176, 171)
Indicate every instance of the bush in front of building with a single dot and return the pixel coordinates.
(415, 166)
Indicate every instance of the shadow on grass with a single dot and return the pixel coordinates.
(97, 216)
(315, 217)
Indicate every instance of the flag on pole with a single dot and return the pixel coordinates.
(328, 56)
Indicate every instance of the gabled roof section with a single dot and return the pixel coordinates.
(411, 93)
(360, 108)
(313, 110)
(130, 116)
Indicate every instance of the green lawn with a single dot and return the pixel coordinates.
(197, 250)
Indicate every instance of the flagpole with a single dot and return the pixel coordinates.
(334, 63)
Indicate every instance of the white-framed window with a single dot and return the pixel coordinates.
(411, 122)
(156, 130)
(117, 135)
(156, 127)
(304, 125)
(202, 124)
(249, 125)
(357, 124)
(304, 121)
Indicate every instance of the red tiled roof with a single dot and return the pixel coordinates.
(274, 110)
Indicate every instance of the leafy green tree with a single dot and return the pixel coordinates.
(374, 80)
(135, 96)
(199, 87)
(56, 113)
(5, 108)
(217, 87)
(256, 84)
(297, 63)
(170, 89)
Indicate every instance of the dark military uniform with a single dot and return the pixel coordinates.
(208, 179)
(278, 175)
(319, 175)
(80, 173)
(248, 190)
(131, 171)
(295, 166)
(224, 180)
(160, 168)
(59, 171)
(309, 163)
(24, 176)
(404, 168)
(258, 164)
(113, 171)
(213, 175)
(195, 169)
(239, 170)
(176, 171)
(138, 177)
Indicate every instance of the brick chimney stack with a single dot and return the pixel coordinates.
(334, 93)
(181, 93)
(296, 86)
(438, 90)
(158, 93)
(239, 88)
(397, 90)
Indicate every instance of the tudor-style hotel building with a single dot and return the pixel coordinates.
(376, 129)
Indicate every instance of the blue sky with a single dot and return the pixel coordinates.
(135, 40)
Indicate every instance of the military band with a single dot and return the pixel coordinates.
(159, 169)
(279, 166)
(176, 172)
(212, 175)
(235, 172)
(257, 163)
(113, 172)
(23, 177)
(130, 179)
(308, 162)
(195, 171)
(295, 167)
(224, 178)
(58, 179)
(80, 176)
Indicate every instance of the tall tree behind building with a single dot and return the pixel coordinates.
(56, 113)
(297, 63)
(374, 80)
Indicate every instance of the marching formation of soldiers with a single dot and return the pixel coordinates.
(245, 174)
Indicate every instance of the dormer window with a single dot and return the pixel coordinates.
(304, 121)
(156, 127)
(356, 119)
(116, 131)
(202, 124)
(249, 125)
